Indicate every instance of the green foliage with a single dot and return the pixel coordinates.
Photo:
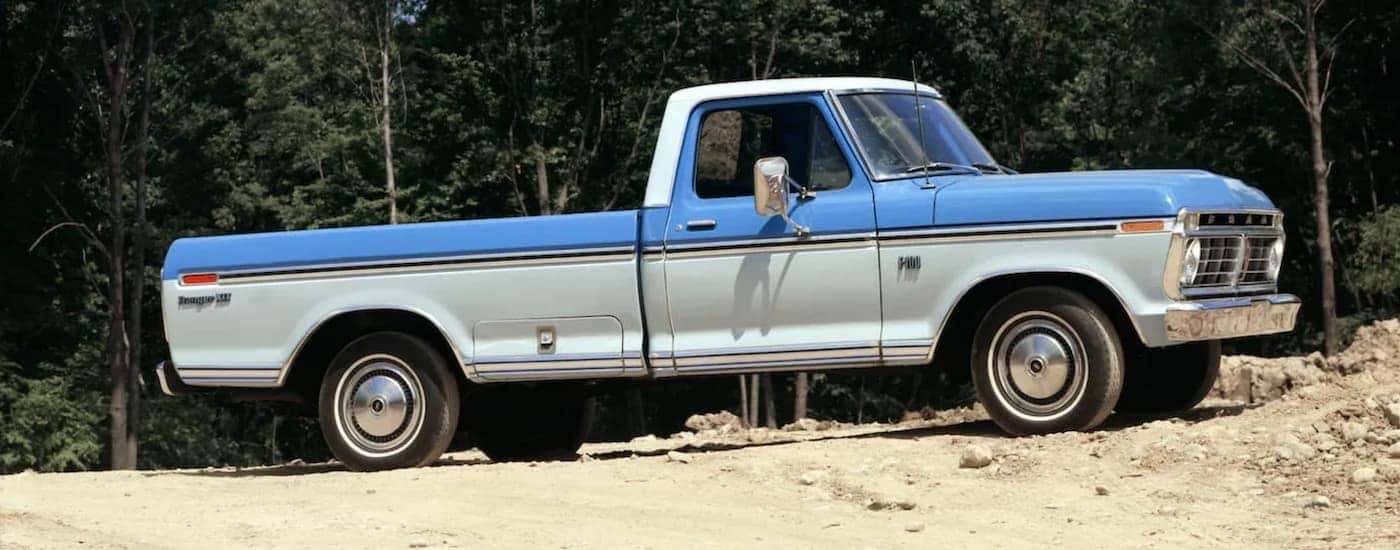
(1376, 260)
(46, 424)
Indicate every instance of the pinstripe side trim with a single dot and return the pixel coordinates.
(562, 362)
(480, 261)
(767, 245)
(998, 232)
(678, 250)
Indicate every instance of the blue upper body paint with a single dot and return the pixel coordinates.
(970, 200)
(861, 207)
(407, 242)
(957, 200)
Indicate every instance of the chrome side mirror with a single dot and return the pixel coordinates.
(770, 190)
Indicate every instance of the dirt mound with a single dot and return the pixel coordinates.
(1248, 379)
(1373, 346)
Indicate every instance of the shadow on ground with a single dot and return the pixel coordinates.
(285, 470)
(977, 428)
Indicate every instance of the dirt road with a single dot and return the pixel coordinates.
(1317, 467)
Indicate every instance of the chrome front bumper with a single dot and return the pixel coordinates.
(1231, 317)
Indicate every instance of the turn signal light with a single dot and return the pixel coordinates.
(1141, 226)
(199, 279)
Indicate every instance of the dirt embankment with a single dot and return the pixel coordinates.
(1296, 452)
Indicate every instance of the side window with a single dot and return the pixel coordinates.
(829, 169)
(732, 139)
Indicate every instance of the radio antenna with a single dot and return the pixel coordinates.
(919, 114)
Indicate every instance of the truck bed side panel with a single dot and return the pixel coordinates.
(274, 289)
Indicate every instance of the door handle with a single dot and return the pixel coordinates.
(700, 225)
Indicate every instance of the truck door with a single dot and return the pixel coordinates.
(745, 292)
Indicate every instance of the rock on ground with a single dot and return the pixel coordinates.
(1392, 414)
(722, 420)
(1257, 379)
(975, 456)
(809, 425)
(1363, 475)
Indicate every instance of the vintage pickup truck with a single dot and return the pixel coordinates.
(787, 225)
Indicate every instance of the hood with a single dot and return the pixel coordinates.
(1089, 195)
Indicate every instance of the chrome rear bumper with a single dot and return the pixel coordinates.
(1231, 317)
(170, 382)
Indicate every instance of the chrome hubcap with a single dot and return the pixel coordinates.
(1038, 364)
(379, 408)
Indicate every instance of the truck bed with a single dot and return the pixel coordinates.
(489, 286)
(408, 243)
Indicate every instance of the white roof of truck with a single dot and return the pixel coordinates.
(668, 141)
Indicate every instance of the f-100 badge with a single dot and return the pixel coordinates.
(910, 263)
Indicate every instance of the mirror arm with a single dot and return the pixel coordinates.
(799, 229)
(803, 194)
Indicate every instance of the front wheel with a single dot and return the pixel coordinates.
(1047, 359)
(388, 401)
(1171, 379)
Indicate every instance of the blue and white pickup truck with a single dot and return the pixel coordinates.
(787, 225)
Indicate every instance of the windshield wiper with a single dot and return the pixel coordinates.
(993, 167)
(944, 167)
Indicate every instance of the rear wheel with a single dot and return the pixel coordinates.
(1171, 379)
(388, 401)
(528, 423)
(1047, 359)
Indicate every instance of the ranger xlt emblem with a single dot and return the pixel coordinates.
(200, 302)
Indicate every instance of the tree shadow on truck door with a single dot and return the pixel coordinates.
(755, 294)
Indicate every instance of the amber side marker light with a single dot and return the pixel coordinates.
(199, 279)
(1141, 226)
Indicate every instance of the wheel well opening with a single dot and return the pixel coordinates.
(953, 352)
(334, 334)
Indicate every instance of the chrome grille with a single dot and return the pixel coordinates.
(1219, 261)
(1256, 264)
(1223, 252)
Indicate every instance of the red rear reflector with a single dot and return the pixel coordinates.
(199, 279)
(1142, 226)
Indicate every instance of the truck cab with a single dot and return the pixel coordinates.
(787, 225)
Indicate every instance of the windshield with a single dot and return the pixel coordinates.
(888, 134)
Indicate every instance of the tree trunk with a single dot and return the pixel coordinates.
(636, 411)
(139, 240)
(799, 396)
(744, 400)
(753, 399)
(542, 182)
(860, 401)
(386, 126)
(1320, 171)
(771, 414)
(121, 437)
